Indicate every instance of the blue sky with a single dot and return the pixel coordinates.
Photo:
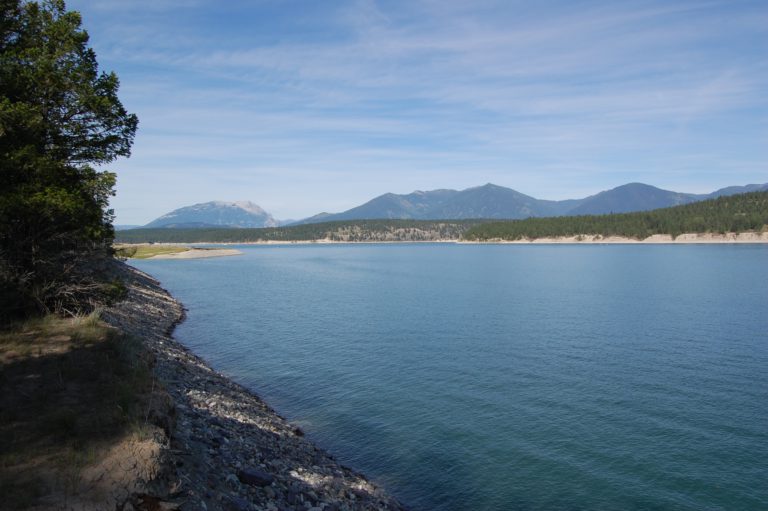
(309, 106)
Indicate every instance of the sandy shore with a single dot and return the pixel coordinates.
(199, 253)
(657, 239)
(227, 449)
(690, 238)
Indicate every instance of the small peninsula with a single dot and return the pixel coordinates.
(151, 251)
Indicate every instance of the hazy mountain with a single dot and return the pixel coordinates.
(492, 201)
(390, 205)
(632, 197)
(314, 219)
(642, 197)
(413, 205)
(489, 201)
(733, 190)
(216, 214)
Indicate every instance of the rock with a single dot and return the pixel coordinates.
(254, 477)
(232, 481)
(234, 503)
(294, 497)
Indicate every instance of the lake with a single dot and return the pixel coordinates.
(557, 377)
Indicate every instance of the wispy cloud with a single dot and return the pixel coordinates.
(551, 98)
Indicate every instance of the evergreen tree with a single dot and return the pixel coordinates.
(59, 118)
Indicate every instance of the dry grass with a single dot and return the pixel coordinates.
(147, 251)
(70, 390)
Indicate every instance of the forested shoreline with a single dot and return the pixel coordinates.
(345, 231)
(735, 214)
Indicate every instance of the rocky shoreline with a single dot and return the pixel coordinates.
(227, 449)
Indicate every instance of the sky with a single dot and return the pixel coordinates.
(310, 106)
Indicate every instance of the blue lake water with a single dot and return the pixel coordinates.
(571, 377)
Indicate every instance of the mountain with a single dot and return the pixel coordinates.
(632, 197)
(733, 190)
(216, 214)
(489, 201)
(314, 219)
(493, 201)
(390, 205)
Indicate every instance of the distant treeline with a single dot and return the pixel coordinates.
(350, 230)
(736, 213)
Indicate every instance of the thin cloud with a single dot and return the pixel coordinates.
(520, 93)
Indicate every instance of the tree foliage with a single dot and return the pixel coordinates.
(60, 117)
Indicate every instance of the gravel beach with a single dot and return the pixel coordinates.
(227, 449)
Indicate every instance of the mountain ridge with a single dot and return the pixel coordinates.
(494, 201)
(488, 201)
(216, 214)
